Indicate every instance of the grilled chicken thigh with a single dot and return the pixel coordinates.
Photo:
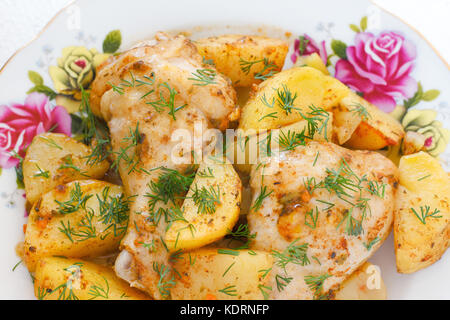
(322, 210)
(145, 95)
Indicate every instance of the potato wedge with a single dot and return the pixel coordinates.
(364, 284)
(230, 52)
(70, 279)
(83, 218)
(210, 209)
(53, 159)
(376, 130)
(345, 123)
(279, 100)
(314, 61)
(245, 150)
(422, 214)
(210, 274)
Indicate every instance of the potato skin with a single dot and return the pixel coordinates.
(81, 280)
(356, 287)
(204, 273)
(227, 51)
(44, 236)
(208, 227)
(419, 245)
(50, 151)
(312, 88)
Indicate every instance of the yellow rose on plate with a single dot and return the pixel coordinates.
(75, 70)
(424, 122)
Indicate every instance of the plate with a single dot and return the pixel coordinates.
(81, 29)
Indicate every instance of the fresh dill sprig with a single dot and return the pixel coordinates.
(371, 243)
(361, 111)
(425, 212)
(113, 212)
(166, 280)
(282, 282)
(66, 289)
(204, 77)
(272, 115)
(291, 140)
(229, 291)
(204, 174)
(264, 291)
(311, 218)
(286, 99)
(42, 173)
(315, 284)
(293, 253)
(131, 142)
(303, 43)
(163, 103)
(269, 68)
(353, 226)
(68, 164)
(98, 291)
(314, 117)
(206, 199)
(242, 234)
(263, 194)
(50, 142)
(76, 202)
(268, 71)
(169, 184)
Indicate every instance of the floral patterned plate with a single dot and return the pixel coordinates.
(369, 50)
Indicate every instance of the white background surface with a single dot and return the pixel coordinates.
(22, 20)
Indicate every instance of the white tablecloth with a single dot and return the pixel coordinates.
(21, 20)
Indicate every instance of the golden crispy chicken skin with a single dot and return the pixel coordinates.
(145, 95)
(322, 210)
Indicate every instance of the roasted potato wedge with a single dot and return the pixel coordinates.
(422, 214)
(70, 279)
(242, 58)
(53, 159)
(314, 61)
(364, 284)
(83, 218)
(376, 129)
(210, 209)
(214, 274)
(282, 99)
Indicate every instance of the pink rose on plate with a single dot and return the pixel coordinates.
(305, 45)
(379, 67)
(20, 123)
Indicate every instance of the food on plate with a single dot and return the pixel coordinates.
(246, 60)
(283, 207)
(377, 128)
(364, 284)
(211, 207)
(212, 273)
(314, 61)
(142, 119)
(422, 214)
(247, 147)
(71, 279)
(323, 210)
(53, 159)
(285, 97)
(85, 218)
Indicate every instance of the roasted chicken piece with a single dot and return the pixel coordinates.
(145, 95)
(322, 211)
